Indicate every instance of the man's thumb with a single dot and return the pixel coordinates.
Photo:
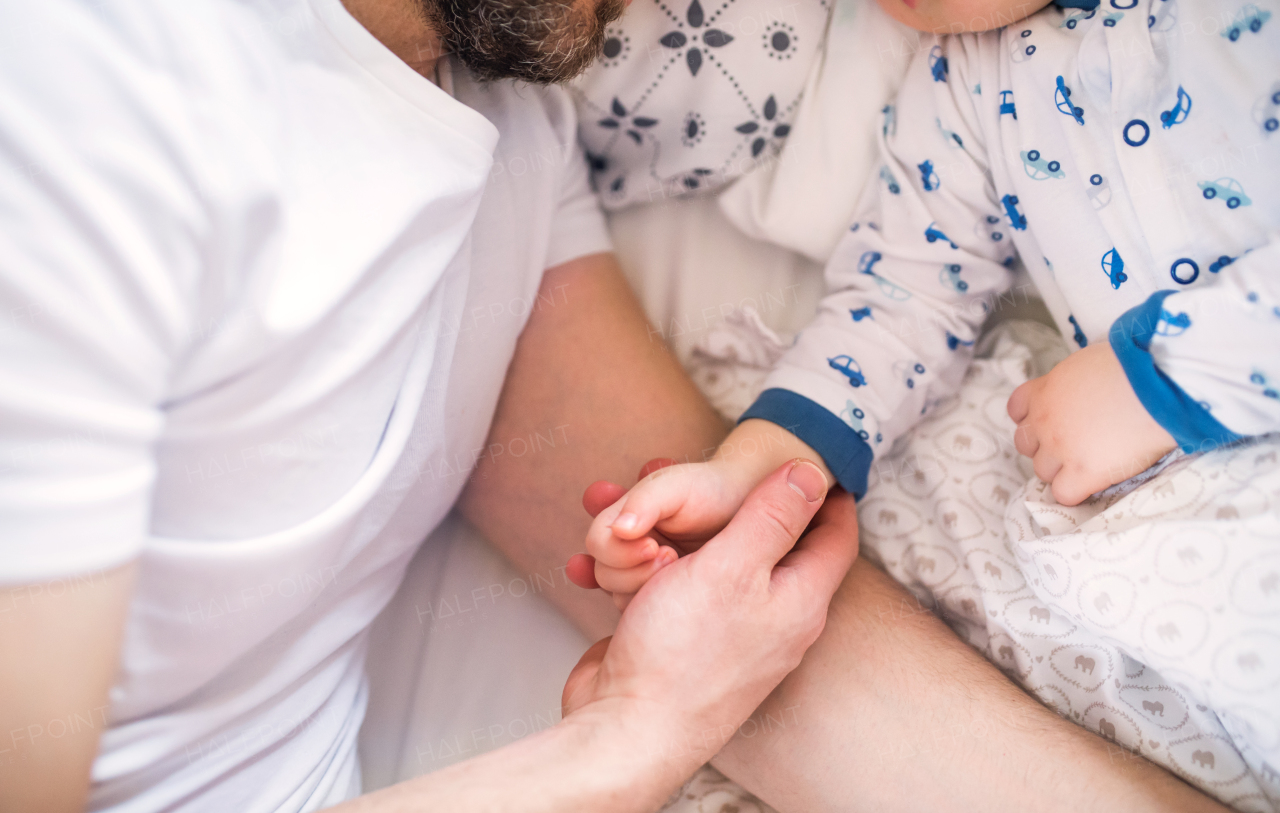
(775, 514)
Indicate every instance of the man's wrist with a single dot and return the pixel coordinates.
(637, 756)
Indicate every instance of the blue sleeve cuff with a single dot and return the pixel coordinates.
(1191, 425)
(846, 454)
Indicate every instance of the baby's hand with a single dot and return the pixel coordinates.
(670, 512)
(1083, 427)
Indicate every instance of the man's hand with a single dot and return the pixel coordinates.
(1083, 427)
(710, 635)
(671, 511)
(675, 508)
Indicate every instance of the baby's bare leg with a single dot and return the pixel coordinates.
(891, 711)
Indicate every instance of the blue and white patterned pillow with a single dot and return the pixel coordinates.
(687, 97)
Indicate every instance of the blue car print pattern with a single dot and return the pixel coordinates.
(1016, 218)
(846, 366)
(1074, 19)
(907, 371)
(934, 234)
(1260, 378)
(928, 178)
(954, 341)
(867, 262)
(950, 277)
(1180, 111)
(853, 416)
(1078, 335)
(1147, 164)
(1170, 324)
(890, 181)
(1062, 98)
(1113, 267)
(1228, 189)
(937, 64)
(1007, 107)
(1250, 18)
(1022, 48)
(1038, 169)
(1099, 191)
(1266, 111)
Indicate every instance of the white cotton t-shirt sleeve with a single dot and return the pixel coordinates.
(92, 304)
(578, 227)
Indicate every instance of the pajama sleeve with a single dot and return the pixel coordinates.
(911, 282)
(1205, 362)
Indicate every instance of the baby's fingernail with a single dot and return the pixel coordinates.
(807, 481)
(625, 522)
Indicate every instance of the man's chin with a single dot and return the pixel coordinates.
(543, 63)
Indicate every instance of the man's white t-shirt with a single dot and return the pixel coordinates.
(259, 286)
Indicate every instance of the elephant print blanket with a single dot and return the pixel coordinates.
(1149, 614)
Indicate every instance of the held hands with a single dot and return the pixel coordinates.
(1083, 426)
(736, 617)
(675, 508)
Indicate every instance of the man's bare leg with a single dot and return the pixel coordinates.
(891, 711)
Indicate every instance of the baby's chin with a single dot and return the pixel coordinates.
(960, 16)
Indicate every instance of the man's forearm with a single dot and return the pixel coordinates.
(593, 761)
(590, 368)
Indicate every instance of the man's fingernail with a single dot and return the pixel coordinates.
(624, 522)
(807, 480)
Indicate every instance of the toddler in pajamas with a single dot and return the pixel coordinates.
(1127, 154)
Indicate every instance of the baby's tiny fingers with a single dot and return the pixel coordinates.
(657, 497)
(1025, 441)
(631, 579)
(1020, 402)
(1074, 487)
(1046, 466)
(624, 553)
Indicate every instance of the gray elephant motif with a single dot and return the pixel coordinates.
(949, 519)
(1163, 490)
(1050, 572)
(1153, 706)
(888, 517)
(992, 570)
(1001, 494)
(1189, 555)
(1227, 512)
(1103, 602)
(1005, 652)
(1168, 631)
(1084, 664)
(1106, 729)
(963, 441)
(924, 563)
(1203, 758)
(1040, 614)
(969, 607)
(1249, 661)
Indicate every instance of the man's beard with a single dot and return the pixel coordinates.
(540, 41)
